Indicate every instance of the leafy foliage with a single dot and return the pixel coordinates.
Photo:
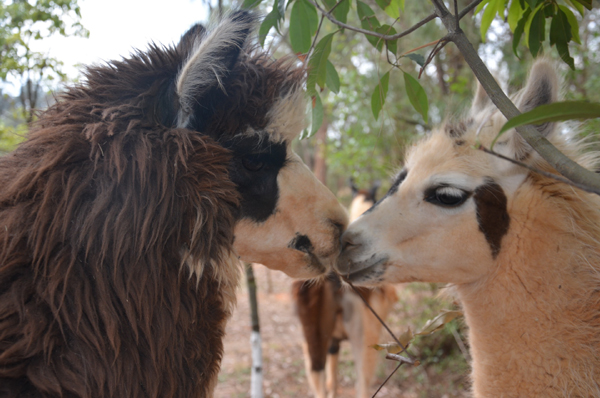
(23, 21)
(555, 112)
(527, 20)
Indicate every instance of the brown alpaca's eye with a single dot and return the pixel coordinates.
(252, 164)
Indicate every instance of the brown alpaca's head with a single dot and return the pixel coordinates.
(254, 106)
(448, 211)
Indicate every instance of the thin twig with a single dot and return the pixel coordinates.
(541, 172)
(461, 345)
(418, 48)
(468, 8)
(402, 359)
(438, 47)
(378, 317)
(430, 17)
(312, 46)
(456, 14)
(386, 380)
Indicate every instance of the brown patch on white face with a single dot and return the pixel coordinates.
(307, 209)
(492, 214)
(408, 238)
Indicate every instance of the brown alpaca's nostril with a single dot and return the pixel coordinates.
(339, 228)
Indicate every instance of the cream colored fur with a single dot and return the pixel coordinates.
(533, 311)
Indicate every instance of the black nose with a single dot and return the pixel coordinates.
(350, 241)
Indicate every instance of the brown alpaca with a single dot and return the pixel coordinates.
(329, 314)
(125, 212)
(521, 250)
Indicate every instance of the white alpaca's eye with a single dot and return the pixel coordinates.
(446, 196)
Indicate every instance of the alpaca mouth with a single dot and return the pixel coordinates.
(370, 270)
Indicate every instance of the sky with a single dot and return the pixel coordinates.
(118, 26)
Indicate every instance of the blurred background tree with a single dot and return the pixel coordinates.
(30, 73)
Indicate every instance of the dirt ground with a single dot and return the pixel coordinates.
(284, 374)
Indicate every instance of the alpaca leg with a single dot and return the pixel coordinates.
(331, 368)
(316, 378)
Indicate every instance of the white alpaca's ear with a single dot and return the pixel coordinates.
(213, 56)
(541, 88)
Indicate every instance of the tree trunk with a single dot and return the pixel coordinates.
(256, 390)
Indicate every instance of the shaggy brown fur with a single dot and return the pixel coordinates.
(99, 209)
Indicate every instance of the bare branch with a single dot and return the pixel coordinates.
(369, 32)
(468, 8)
(312, 46)
(542, 172)
(386, 380)
(564, 165)
(438, 47)
(376, 316)
(401, 359)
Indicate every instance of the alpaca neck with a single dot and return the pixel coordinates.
(529, 319)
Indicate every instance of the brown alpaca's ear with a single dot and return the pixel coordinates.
(213, 54)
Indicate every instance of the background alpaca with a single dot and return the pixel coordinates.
(330, 314)
(175, 157)
(522, 250)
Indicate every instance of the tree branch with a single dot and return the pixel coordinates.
(564, 165)
(370, 32)
(542, 172)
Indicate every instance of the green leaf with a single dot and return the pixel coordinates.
(555, 112)
(480, 6)
(515, 12)
(394, 9)
(573, 23)
(392, 44)
(537, 33)
(368, 21)
(580, 8)
(341, 11)
(333, 79)
(439, 321)
(379, 95)
(303, 25)
(418, 58)
(532, 4)
(269, 22)
(518, 33)
(248, 4)
(586, 3)
(317, 114)
(560, 35)
(488, 16)
(391, 7)
(317, 64)
(416, 95)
